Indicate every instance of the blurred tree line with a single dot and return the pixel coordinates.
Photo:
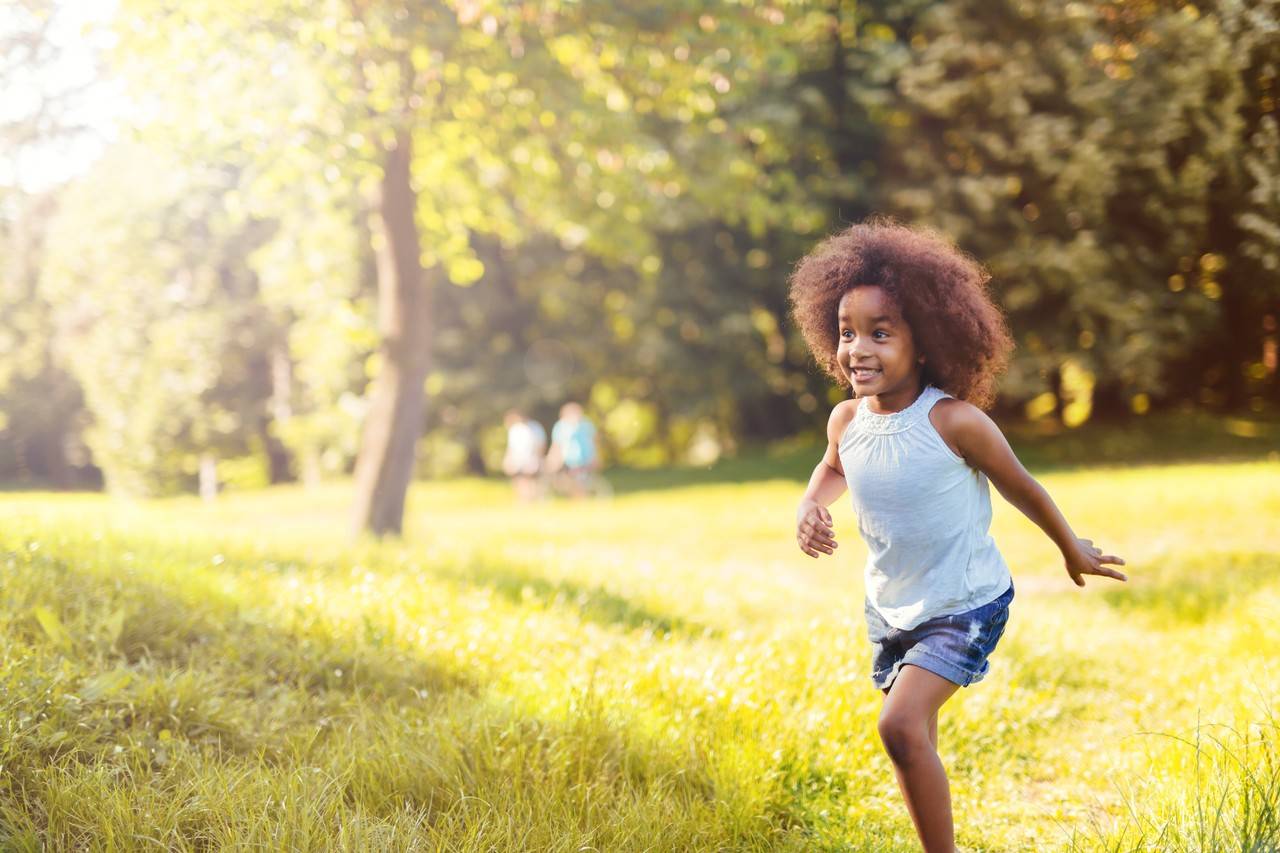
(345, 236)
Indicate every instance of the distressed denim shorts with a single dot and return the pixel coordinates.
(954, 646)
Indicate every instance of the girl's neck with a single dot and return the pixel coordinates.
(890, 402)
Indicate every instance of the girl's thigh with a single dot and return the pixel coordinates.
(916, 695)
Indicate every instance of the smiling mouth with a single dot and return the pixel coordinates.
(863, 373)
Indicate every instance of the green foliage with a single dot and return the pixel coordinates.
(1077, 160)
(41, 406)
(158, 317)
(608, 204)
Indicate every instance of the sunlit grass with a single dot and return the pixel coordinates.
(661, 671)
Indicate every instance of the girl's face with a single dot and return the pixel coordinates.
(876, 352)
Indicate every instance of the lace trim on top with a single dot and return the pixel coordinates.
(876, 423)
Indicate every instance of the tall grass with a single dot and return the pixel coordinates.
(1229, 799)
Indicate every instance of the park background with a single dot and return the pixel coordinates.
(311, 252)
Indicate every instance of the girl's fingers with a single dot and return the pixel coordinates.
(818, 534)
(1105, 572)
(811, 545)
(815, 534)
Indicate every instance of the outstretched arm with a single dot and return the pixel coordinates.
(984, 447)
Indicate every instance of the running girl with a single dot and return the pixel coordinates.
(902, 317)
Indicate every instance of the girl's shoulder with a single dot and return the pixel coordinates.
(954, 419)
(841, 417)
(953, 413)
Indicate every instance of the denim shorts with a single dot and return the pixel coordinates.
(954, 646)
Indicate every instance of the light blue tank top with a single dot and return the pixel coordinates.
(924, 514)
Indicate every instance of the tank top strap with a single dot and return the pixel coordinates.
(865, 420)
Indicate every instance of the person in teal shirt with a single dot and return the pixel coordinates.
(573, 448)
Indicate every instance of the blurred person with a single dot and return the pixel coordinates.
(903, 319)
(526, 444)
(573, 452)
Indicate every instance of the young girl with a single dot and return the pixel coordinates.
(903, 317)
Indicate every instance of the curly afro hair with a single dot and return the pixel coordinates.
(940, 290)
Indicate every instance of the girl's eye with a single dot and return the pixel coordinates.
(846, 334)
(879, 332)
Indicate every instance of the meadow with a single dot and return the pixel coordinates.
(663, 670)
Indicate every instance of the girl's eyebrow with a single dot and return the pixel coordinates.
(883, 318)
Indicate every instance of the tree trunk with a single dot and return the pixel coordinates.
(1241, 339)
(1059, 402)
(385, 463)
(208, 477)
(279, 459)
(475, 459)
(312, 470)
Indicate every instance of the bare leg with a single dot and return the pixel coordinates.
(933, 724)
(909, 730)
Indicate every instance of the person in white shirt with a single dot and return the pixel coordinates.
(526, 444)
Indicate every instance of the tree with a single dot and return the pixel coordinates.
(40, 403)
(158, 317)
(475, 118)
(1076, 154)
(1230, 365)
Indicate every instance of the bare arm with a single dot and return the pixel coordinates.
(968, 429)
(815, 532)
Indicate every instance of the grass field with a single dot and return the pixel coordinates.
(662, 671)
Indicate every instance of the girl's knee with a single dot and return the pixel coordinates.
(903, 736)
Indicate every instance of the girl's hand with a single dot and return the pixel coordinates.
(814, 531)
(1086, 559)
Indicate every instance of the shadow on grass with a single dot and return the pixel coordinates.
(518, 584)
(159, 628)
(591, 603)
(1195, 590)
